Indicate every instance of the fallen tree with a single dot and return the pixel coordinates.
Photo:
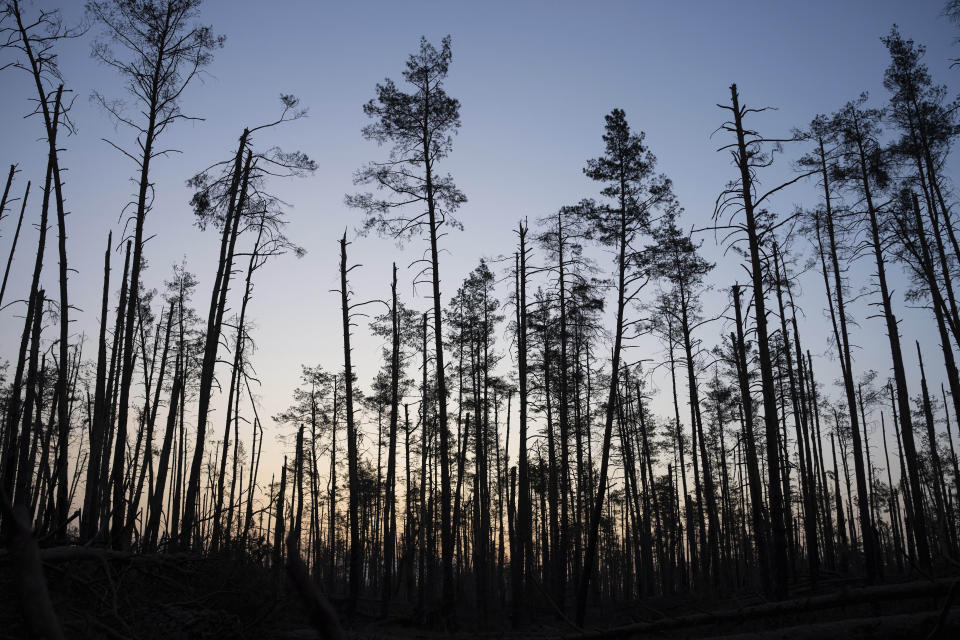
(843, 598)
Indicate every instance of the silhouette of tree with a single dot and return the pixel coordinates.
(420, 126)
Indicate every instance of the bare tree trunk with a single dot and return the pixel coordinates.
(843, 345)
(332, 529)
(824, 487)
(753, 466)
(590, 556)
(295, 538)
(678, 438)
(553, 499)
(775, 494)
(237, 200)
(51, 123)
(88, 527)
(711, 556)
(256, 448)
(6, 190)
(799, 420)
(939, 498)
(314, 489)
(279, 532)
(116, 352)
(151, 416)
(525, 560)
(446, 531)
(13, 246)
(32, 399)
(152, 530)
(893, 508)
(10, 447)
(356, 551)
(562, 542)
(841, 527)
(390, 516)
(424, 523)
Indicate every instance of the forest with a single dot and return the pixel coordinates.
(597, 433)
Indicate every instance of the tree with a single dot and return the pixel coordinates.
(163, 50)
(741, 196)
(473, 319)
(420, 126)
(561, 239)
(36, 41)
(356, 551)
(627, 171)
(522, 562)
(266, 217)
(390, 518)
(861, 166)
(673, 257)
(399, 325)
(928, 126)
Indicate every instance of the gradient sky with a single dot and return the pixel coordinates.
(534, 79)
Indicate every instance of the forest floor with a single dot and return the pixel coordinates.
(98, 593)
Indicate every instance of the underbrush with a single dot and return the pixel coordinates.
(97, 593)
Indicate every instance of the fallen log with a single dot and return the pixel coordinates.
(911, 625)
(843, 598)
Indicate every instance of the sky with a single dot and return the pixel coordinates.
(534, 80)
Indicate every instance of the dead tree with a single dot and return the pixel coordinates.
(356, 550)
(13, 245)
(742, 197)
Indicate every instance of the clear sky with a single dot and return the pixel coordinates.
(534, 79)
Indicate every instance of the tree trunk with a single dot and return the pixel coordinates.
(236, 202)
(753, 466)
(390, 519)
(356, 551)
(775, 495)
(11, 443)
(590, 556)
(91, 501)
(13, 246)
(151, 533)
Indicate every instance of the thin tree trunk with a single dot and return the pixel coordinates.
(590, 556)
(32, 400)
(151, 532)
(390, 519)
(753, 467)
(13, 246)
(356, 551)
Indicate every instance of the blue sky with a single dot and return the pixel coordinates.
(534, 79)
